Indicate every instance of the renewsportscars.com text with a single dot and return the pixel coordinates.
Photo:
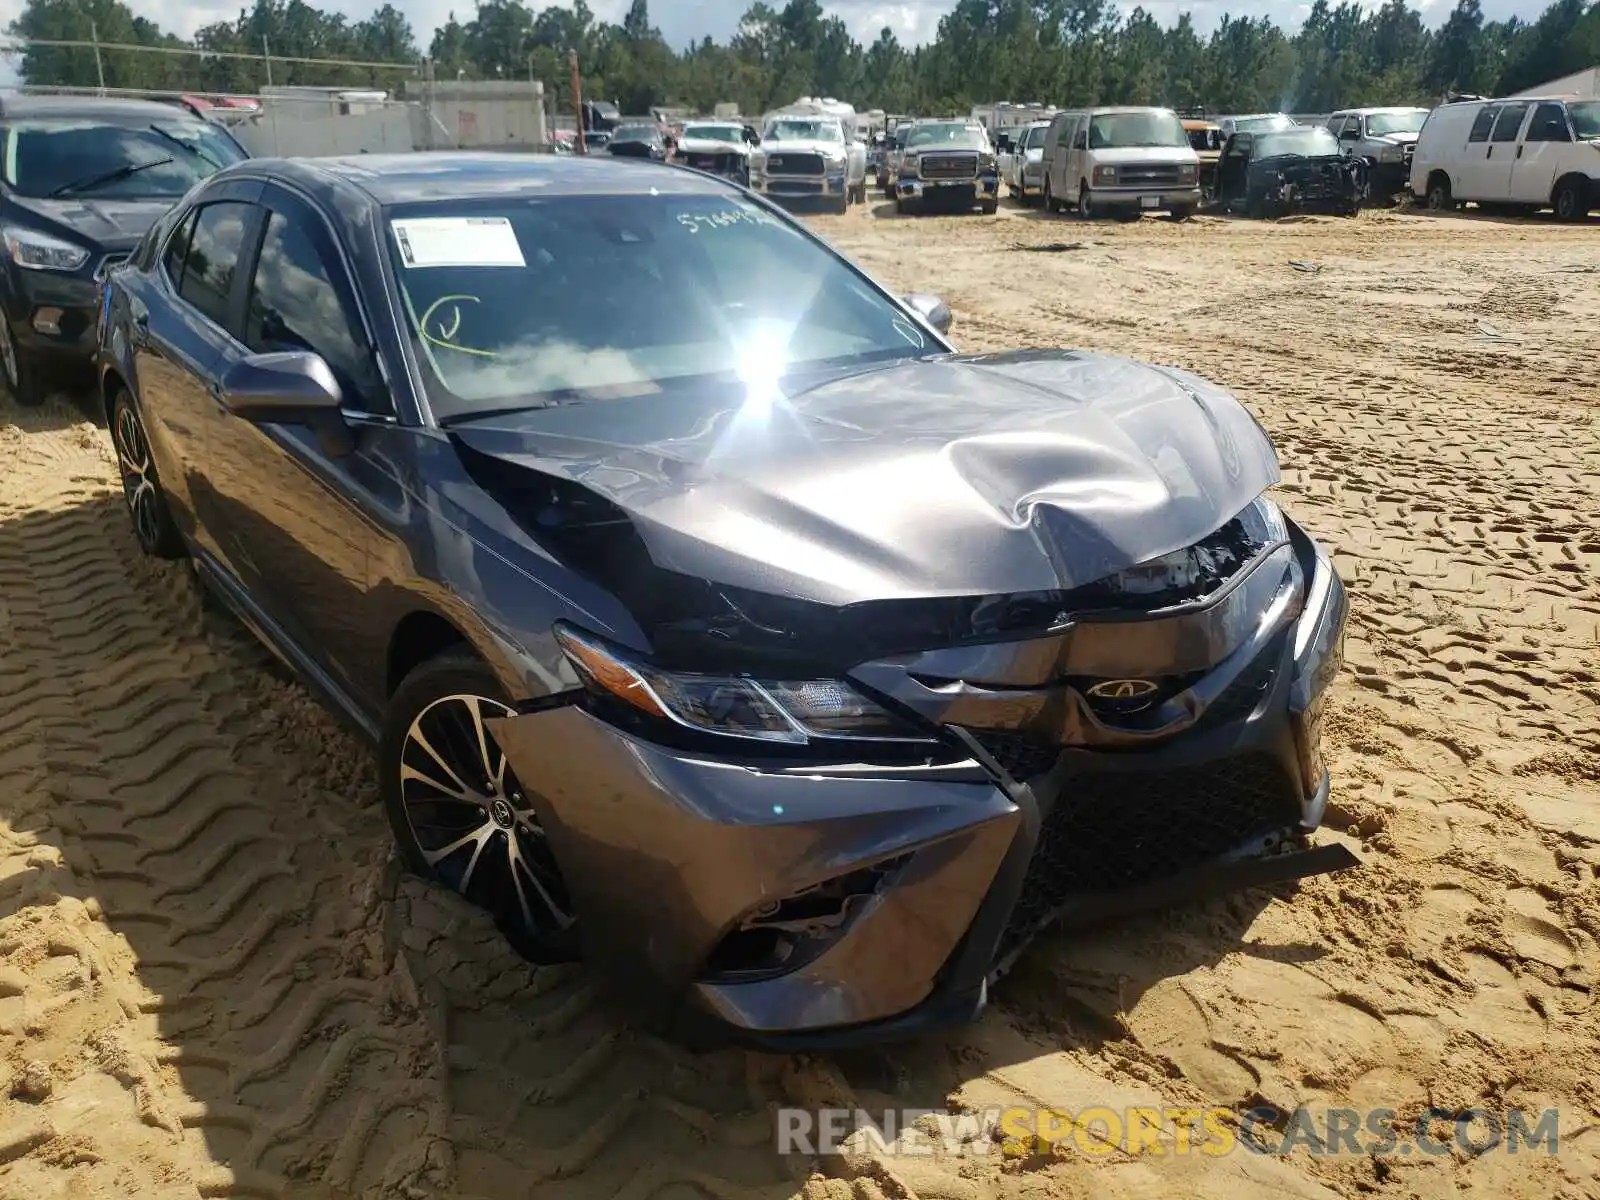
(1210, 1132)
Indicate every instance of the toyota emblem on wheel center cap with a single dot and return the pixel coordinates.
(1122, 689)
(502, 814)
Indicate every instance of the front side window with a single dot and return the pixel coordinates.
(295, 305)
(1154, 128)
(1034, 138)
(213, 257)
(569, 299)
(176, 249)
(112, 160)
(1549, 124)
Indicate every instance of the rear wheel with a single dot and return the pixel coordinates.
(458, 813)
(23, 376)
(141, 488)
(1571, 199)
(1439, 197)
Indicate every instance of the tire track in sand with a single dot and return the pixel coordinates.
(216, 949)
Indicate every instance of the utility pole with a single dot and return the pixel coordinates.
(577, 100)
(266, 57)
(99, 67)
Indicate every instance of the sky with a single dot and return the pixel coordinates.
(683, 22)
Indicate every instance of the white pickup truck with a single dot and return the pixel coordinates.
(802, 157)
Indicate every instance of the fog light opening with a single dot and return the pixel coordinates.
(783, 935)
(48, 320)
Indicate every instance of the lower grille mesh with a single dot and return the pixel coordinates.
(1110, 831)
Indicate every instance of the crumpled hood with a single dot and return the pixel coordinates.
(949, 476)
(110, 224)
(691, 145)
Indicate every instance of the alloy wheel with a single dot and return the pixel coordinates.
(473, 822)
(138, 477)
(8, 354)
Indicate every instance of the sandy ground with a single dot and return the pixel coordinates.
(214, 981)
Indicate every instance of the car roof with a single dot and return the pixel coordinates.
(391, 179)
(25, 106)
(1390, 108)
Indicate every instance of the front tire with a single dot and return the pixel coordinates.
(1086, 208)
(989, 207)
(22, 373)
(1571, 203)
(1051, 204)
(905, 206)
(1182, 212)
(141, 487)
(459, 815)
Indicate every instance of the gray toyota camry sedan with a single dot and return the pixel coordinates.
(716, 622)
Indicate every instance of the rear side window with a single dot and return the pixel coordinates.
(1509, 123)
(213, 257)
(1483, 123)
(295, 305)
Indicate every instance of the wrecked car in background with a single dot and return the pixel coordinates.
(1206, 139)
(723, 626)
(1288, 171)
(718, 147)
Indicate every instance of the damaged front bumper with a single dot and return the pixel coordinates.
(791, 905)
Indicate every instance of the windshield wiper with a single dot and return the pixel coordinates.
(105, 177)
(185, 146)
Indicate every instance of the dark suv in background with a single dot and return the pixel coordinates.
(80, 182)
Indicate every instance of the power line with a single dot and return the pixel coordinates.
(18, 45)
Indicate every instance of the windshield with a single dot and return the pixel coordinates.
(715, 133)
(1310, 142)
(513, 303)
(635, 133)
(1585, 119)
(1257, 124)
(943, 135)
(158, 159)
(1379, 124)
(1034, 138)
(790, 130)
(1155, 128)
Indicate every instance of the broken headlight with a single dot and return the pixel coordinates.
(792, 712)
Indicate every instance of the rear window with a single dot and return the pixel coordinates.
(88, 156)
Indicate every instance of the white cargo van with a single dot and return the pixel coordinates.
(1524, 152)
(1129, 160)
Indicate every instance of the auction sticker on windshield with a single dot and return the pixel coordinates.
(457, 242)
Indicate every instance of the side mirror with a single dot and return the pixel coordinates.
(931, 309)
(289, 387)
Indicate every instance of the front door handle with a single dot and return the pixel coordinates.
(1519, 151)
(1491, 153)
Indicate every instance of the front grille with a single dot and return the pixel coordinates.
(948, 166)
(705, 162)
(795, 164)
(1148, 175)
(1114, 830)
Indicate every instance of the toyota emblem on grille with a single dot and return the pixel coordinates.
(1122, 689)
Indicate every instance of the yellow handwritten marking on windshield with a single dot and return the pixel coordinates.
(445, 337)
